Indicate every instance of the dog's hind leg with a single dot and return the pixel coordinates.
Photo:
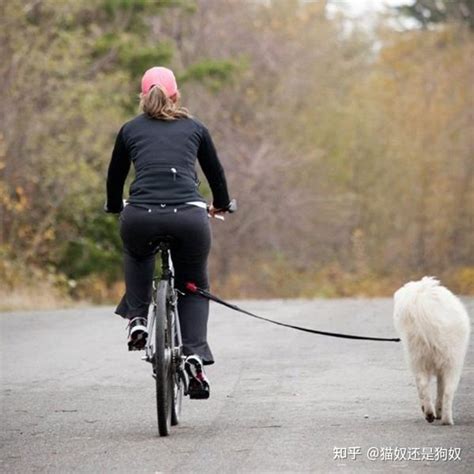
(423, 386)
(439, 397)
(451, 380)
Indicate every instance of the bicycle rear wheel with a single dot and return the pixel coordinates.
(163, 360)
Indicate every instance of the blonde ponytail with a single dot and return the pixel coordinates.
(158, 106)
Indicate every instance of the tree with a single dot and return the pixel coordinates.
(428, 12)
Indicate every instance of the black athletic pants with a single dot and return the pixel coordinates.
(189, 226)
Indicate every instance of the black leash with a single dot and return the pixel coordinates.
(192, 288)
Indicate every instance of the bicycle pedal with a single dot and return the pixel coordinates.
(138, 343)
(198, 390)
(131, 348)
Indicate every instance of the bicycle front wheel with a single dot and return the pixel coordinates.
(163, 360)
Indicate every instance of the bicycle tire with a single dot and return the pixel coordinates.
(163, 360)
(178, 386)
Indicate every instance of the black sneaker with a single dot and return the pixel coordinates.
(198, 387)
(137, 334)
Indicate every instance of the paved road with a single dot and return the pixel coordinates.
(73, 399)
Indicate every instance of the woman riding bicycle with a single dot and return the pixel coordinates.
(164, 143)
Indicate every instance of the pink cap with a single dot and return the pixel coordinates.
(161, 76)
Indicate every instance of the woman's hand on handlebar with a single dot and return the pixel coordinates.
(115, 211)
(215, 212)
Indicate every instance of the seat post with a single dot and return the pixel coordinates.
(165, 266)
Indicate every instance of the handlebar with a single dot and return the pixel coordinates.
(230, 208)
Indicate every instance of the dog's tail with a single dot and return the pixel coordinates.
(419, 307)
(428, 282)
(425, 315)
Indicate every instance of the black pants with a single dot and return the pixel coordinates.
(189, 225)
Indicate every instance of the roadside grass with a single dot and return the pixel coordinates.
(40, 297)
(262, 280)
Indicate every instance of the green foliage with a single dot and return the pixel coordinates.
(96, 250)
(428, 12)
(145, 6)
(212, 72)
(138, 6)
(138, 59)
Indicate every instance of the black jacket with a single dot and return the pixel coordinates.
(164, 155)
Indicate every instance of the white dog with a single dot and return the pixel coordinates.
(434, 328)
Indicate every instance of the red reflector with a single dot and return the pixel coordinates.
(191, 287)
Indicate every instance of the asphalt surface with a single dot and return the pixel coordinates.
(74, 400)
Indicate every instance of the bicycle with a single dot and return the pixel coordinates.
(164, 347)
